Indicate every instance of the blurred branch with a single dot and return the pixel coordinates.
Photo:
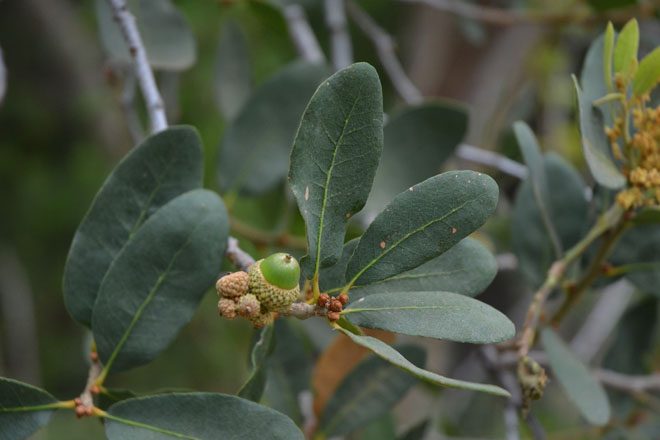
(262, 237)
(335, 18)
(506, 261)
(18, 317)
(491, 159)
(3, 77)
(143, 71)
(238, 256)
(629, 383)
(385, 47)
(302, 35)
(128, 106)
(510, 17)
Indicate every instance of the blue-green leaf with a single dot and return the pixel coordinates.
(442, 315)
(253, 388)
(576, 380)
(335, 156)
(23, 409)
(163, 167)
(233, 72)
(197, 416)
(392, 356)
(154, 285)
(367, 392)
(422, 223)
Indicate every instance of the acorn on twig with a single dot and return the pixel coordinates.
(274, 281)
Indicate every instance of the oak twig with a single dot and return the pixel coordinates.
(143, 72)
(302, 35)
(335, 19)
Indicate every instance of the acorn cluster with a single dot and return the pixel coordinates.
(333, 305)
(270, 285)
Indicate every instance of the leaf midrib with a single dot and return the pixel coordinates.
(406, 237)
(317, 263)
(411, 277)
(386, 308)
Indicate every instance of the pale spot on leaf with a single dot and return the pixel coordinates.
(382, 245)
(453, 230)
(306, 193)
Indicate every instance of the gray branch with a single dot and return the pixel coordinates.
(3, 77)
(143, 72)
(492, 160)
(335, 18)
(302, 35)
(238, 256)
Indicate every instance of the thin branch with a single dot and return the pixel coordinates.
(259, 236)
(335, 19)
(302, 35)
(3, 77)
(508, 17)
(143, 72)
(492, 160)
(629, 383)
(238, 256)
(385, 47)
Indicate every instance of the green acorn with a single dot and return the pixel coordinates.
(274, 281)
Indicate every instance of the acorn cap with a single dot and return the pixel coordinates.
(281, 270)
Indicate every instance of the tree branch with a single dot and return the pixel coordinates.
(143, 72)
(493, 160)
(385, 48)
(302, 35)
(3, 77)
(335, 19)
(507, 17)
(238, 256)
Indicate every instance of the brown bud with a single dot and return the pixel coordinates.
(94, 356)
(81, 411)
(233, 285)
(227, 308)
(335, 305)
(89, 411)
(95, 389)
(333, 316)
(77, 401)
(343, 299)
(248, 306)
(323, 300)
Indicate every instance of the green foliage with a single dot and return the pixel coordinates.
(154, 285)
(23, 409)
(447, 207)
(334, 159)
(233, 72)
(648, 73)
(576, 380)
(467, 268)
(638, 258)
(440, 315)
(203, 416)
(253, 155)
(367, 392)
(530, 239)
(625, 50)
(253, 388)
(163, 167)
(392, 356)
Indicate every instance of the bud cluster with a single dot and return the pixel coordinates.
(333, 305)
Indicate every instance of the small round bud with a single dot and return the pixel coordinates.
(95, 389)
(81, 411)
(333, 316)
(227, 308)
(343, 299)
(248, 306)
(233, 285)
(77, 401)
(94, 356)
(323, 300)
(335, 305)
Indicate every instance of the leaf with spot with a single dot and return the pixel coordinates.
(370, 390)
(24, 409)
(467, 268)
(422, 223)
(595, 145)
(253, 388)
(384, 351)
(254, 154)
(168, 40)
(154, 285)
(441, 315)
(196, 416)
(576, 380)
(417, 141)
(161, 168)
(334, 158)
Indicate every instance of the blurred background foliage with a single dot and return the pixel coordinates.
(62, 130)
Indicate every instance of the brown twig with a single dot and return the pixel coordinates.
(261, 237)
